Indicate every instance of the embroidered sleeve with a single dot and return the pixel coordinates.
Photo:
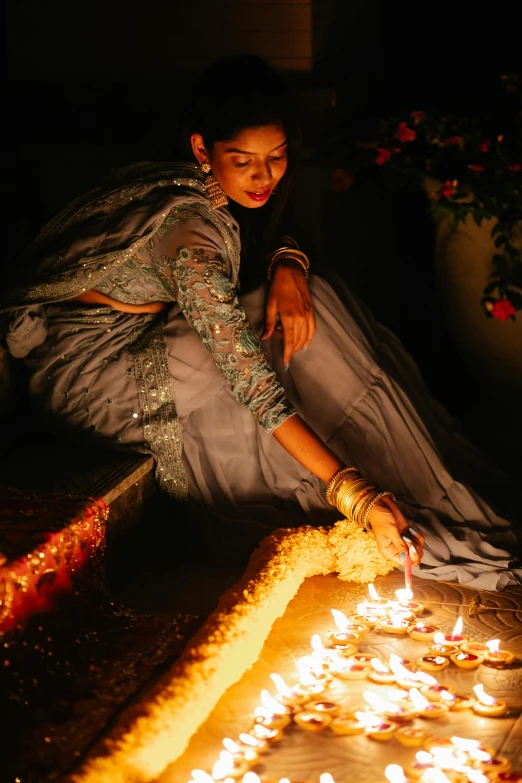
(208, 299)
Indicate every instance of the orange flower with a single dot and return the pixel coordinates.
(503, 309)
(383, 155)
(403, 133)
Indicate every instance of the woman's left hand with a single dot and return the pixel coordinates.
(390, 529)
(289, 296)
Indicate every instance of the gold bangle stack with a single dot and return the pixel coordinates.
(290, 253)
(354, 497)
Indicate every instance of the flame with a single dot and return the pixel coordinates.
(251, 777)
(325, 778)
(281, 685)
(404, 596)
(374, 595)
(438, 638)
(379, 666)
(341, 620)
(465, 744)
(435, 776)
(493, 645)
(396, 622)
(201, 777)
(303, 667)
(230, 745)
(368, 720)
(448, 697)
(425, 678)
(271, 704)
(361, 609)
(248, 739)
(419, 702)
(423, 757)
(262, 731)
(395, 774)
(457, 630)
(419, 625)
(222, 767)
(479, 755)
(378, 704)
(397, 694)
(445, 757)
(474, 775)
(398, 669)
(283, 780)
(483, 696)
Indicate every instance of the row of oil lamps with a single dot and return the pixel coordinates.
(418, 695)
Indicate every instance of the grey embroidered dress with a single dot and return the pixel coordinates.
(197, 388)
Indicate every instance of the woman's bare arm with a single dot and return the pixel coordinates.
(93, 297)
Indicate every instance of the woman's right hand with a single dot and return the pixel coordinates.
(93, 297)
(389, 528)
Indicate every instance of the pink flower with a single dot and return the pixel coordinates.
(484, 146)
(383, 155)
(503, 309)
(341, 180)
(403, 133)
(476, 167)
(453, 140)
(514, 167)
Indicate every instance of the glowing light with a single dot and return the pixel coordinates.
(361, 608)
(319, 651)
(230, 745)
(378, 704)
(419, 702)
(445, 757)
(281, 685)
(271, 704)
(341, 620)
(423, 757)
(303, 667)
(457, 630)
(425, 678)
(379, 666)
(397, 622)
(448, 697)
(493, 645)
(399, 670)
(262, 731)
(465, 744)
(479, 755)
(222, 767)
(368, 720)
(284, 780)
(474, 775)
(483, 696)
(419, 625)
(439, 638)
(251, 777)
(247, 739)
(435, 776)
(404, 596)
(201, 777)
(395, 774)
(326, 778)
(374, 595)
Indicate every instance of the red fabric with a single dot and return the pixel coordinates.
(46, 542)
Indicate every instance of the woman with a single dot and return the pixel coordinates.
(134, 333)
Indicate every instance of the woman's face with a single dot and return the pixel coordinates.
(249, 166)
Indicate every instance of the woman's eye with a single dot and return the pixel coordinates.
(240, 165)
(280, 157)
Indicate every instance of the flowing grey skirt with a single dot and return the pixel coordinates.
(355, 386)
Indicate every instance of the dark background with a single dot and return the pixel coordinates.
(96, 85)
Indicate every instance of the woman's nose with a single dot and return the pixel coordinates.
(263, 174)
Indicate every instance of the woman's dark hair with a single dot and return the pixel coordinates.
(229, 97)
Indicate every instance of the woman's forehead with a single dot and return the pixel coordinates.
(256, 141)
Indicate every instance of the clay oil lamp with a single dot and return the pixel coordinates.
(477, 648)
(346, 626)
(434, 692)
(363, 618)
(330, 708)
(401, 712)
(467, 660)
(362, 659)
(322, 660)
(423, 762)
(441, 647)
(404, 598)
(456, 702)
(488, 764)
(314, 678)
(349, 669)
(508, 777)
(466, 746)
(242, 751)
(311, 720)
(487, 706)
(394, 624)
(433, 663)
(411, 737)
(228, 768)
(374, 606)
(265, 733)
(380, 673)
(404, 677)
(422, 633)
(257, 744)
(394, 773)
(425, 708)
(438, 742)
(273, 714)
(289, 698)
(348, 725)
(497, 657)
(455, 637)
(376, 728)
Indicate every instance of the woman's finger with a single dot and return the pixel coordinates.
(271, 315)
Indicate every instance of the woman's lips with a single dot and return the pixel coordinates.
(262, 195)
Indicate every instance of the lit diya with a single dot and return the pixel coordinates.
(441, 647)
(346, 626)
(228, 768)
(394, 773)
(394, 624)
(286, 695)
(433, 663)
(404, 598)
(411, 737)
(466, 660)
(313, 674)
(241, 751)
(422, 633)
(466, 746)
(496, 656)
(404, 677)
(508, 777)
(423, 762)
(425, 708)
(456, 702)
(380, 673)
(364, 619)
(348, 725)
(486, 705)
(455, 637)
(349, 669)
(490, 764)
(331, 708)
(374, 605)
(273, 714)
(376, 728)
(312, 720)
(265, 733)
(477, 648)
(402, 712)
(434, 691)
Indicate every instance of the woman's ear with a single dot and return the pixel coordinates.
(198, 148)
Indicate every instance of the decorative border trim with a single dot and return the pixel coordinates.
(153, 733)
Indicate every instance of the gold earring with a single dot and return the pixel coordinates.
(218, 197)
